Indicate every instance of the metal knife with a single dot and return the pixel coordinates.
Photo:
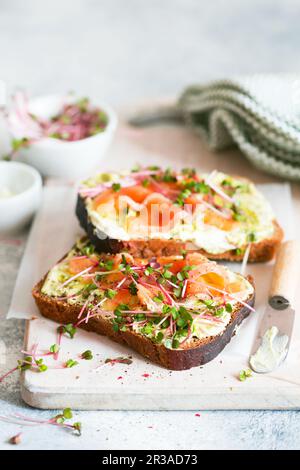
(280, 312)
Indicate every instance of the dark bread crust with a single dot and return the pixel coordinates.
(201, 352)
(260, 252)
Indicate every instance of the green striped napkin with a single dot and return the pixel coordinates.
(260, 114)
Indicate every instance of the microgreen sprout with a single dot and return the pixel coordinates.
(251, 237)
(27, 363)
(60, 420)
(88, 250)
(110, 293)
(148, 271)
(41, 367)
(196, 186)
(158, 298)
(188, 172)
(70, 363)
(169, 176)
(116, 187)
(238, 215)
(135, 169)
(183, 253)
(87, 355)
(108, 265)
(182, 197)
(245, 374)
(153, 168)
(16, 145)
(132, 288)
(145, 182)
(126, 268)
(68, 329)
(54, 348)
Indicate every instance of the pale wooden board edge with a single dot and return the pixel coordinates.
(214, 399)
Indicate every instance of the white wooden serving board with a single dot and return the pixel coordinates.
(143, 385)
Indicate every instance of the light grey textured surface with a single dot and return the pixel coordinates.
(124, 51)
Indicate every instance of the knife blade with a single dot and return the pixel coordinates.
(274, 333)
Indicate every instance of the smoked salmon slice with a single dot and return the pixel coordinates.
(103, 198)
(138, 193)
(124, 297)
(77, 265)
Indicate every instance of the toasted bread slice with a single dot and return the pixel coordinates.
(164, 213)
(177, 312)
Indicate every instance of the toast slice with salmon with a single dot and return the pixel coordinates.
(177, 311)
(155, 212)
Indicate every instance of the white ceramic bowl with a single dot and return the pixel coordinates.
(25, 185)
(61, 159)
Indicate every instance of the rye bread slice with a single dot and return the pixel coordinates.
(259, 252)
(197, 354)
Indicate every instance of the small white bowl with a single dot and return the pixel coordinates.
(23, 185)
(61, 159)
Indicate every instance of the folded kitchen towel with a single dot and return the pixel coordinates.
(260, 114)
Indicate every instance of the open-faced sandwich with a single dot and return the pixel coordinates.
(155, 212)
(178, 311)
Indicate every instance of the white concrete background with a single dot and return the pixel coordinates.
(124, 51)
(128, 49)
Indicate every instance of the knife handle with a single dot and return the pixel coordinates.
(286, 275)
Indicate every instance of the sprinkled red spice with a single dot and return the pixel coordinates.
(146, 375)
